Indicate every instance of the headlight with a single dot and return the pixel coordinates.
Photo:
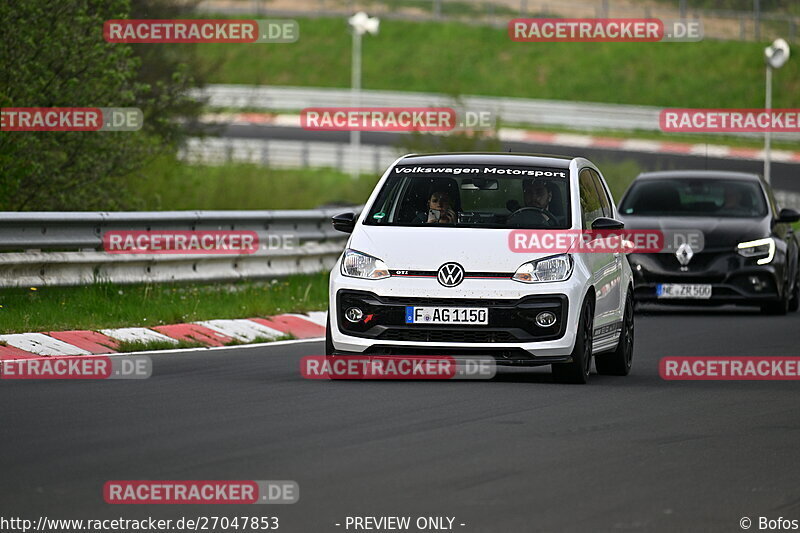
(761, 247)
(555, 268)
(358, 265)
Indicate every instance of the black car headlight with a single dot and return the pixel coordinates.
(763, 248)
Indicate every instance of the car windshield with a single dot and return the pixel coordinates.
(697, 197)
(473, 196)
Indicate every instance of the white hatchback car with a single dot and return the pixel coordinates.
(429, 268)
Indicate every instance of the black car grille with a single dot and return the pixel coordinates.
(456, 302)
(700, 261)
(509, 320)
(418, 335)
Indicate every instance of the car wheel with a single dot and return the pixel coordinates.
(577, 371)
(779, 307)
(794, 302)
(328, 336)
(619, 362)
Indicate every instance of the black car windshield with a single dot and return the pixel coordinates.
(473, 196)
(696, 197)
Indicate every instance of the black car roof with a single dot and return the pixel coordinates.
(488, 158)
(707, 174)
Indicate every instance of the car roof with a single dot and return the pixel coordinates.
(706, 174)
(488, 158)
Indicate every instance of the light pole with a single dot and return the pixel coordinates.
(776, 56)
(360, 23)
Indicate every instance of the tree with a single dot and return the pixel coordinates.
(54, 55)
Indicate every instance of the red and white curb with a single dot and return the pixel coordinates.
(554, 139)
(211, 333)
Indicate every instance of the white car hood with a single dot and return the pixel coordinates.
(428, 248)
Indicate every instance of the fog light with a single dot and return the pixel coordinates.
(757, 283)
(545, 319)
(354, 314)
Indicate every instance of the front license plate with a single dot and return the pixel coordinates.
(447, 315)
(683, 290)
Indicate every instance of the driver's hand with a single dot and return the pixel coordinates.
(448, 217)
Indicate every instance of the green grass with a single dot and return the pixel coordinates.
(454, 58)
(172, 185)
(167, 184)
(109, 306)
(153, 345)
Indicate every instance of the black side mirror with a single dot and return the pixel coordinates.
(346, 222)
(605, 223)
(788, 216)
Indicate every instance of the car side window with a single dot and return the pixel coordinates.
(605, 203)
(591, 207)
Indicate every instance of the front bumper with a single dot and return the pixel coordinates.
(733, 279)
(511, 336)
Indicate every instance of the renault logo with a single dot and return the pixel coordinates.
(684, 254)
(450, 274)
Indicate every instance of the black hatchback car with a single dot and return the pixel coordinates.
(749, 255)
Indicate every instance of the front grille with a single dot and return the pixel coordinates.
(699, 261)
(444, 302)
(418, 335)
(510, 320)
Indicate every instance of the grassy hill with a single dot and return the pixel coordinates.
(454, 58)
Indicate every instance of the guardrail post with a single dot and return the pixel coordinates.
(265, 154)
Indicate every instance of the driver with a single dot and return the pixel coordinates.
(440, 210)
(536, 194)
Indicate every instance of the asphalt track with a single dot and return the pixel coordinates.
(784, 176)
(517, 453)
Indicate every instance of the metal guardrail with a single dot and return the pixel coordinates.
(573, 115)
(287, 154)
(44, 248)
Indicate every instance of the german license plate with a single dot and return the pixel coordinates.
(447, 315)
(683, 290)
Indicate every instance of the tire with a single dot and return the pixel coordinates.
(794, 301)
(619, 362)
(779, 307)
(328, 336)
(577, 371)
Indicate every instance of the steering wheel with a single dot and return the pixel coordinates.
(546, 215)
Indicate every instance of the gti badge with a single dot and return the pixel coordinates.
(450, 274)
(684, 255)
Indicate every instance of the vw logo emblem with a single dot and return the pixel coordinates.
(450, 274)
(684, 254)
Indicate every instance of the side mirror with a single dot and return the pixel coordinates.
(346, 222)
(604, 223)
(788, 216)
